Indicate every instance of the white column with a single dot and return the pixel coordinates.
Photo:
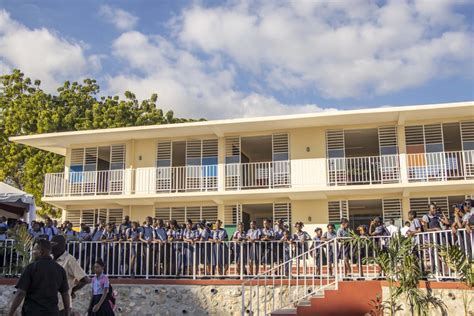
(402, 149)
(221, 164)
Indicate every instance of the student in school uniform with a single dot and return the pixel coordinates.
(175, 238)
(278, 251)
(3, 222)
(240, 248)
(220, 249)
(344, 248)
(378, 229)
(267, 237)
(316, 251)
(100, 303)
(301, 239)
(405, 228)
(362, 247)
(287, 242)
(189, 237)
(110, 238)
(160, 238)
(204, 248)
(49, 229)
(95, 248)
(132, 250)
(329, 235)
(146, 237)
(36, 231)
(253, 237)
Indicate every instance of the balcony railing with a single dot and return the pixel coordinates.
(441, 166)
(363, 170)
(257, 175)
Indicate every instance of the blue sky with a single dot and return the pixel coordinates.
(219, 59)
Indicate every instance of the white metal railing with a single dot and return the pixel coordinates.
(255, 175)
(186, 178)
(241, 260)
(363, 170)
(441, 166)
(307, 273)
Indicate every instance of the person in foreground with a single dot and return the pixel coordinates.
(101, 304)
(40, 284)
(76, 277)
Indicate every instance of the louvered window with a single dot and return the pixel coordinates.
(232, 150)
(280, 147)
(467, 135)
(183, 213)
(335, 143)
(117, 157)
(388, 143)
(232, 214)
(337, 210)
(74, 216)
(392, 209)
(282, 211)
(163, 154)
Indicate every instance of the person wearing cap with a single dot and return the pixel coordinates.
(76, 277)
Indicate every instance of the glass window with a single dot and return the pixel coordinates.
(434, 148)
(280, 157)
(388, 150)
(468, 145)
(336, 153)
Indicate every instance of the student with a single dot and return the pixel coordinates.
(205, 247)
(3, 222)
(404, 230)
(344, 247)
(189, 237)
(133, 250)
(240, 248)
(100, 303)
(316, 251)
(110, 237)
(468, 218)
(253, 237)
(160, 239)
(329, 235)
(76, 277)
(3, 234)
(362, 247)
(175, 237)
(146, 237)
(126, 224)
(69, 233)
(220, 249)
(278, 251)
(40, 283)
(85, 233)
(287, 242)
(36, 231)
(49, 229)
(268, 235)
(392, 229)
(415, 224)
(300, 239)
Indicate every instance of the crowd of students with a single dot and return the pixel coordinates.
(201, 244)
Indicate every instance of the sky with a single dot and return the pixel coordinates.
(229, 59)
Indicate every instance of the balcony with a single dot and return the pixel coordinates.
(258, 175)
(440, 166)
(363, 170)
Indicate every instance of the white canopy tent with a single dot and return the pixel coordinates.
(17, 204)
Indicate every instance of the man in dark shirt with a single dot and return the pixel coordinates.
(40, 283)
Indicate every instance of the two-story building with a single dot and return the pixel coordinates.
(314, 168)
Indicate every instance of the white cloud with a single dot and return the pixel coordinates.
(120, 18)
(42, 54)
(341, 51)
(186, 84)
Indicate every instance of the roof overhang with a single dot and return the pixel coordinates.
(59, 142)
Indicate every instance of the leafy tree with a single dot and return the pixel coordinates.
(26, 109)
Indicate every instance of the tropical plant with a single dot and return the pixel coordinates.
(21, 247)
(401, 267)
(457, 261)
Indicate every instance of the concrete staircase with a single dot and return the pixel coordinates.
(351, 298)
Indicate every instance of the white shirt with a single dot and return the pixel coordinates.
(392, 229)
(404, 230)
(74, 273)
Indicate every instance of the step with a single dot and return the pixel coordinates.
(285, 312)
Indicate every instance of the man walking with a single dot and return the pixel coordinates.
(40, 284)
(74, 272)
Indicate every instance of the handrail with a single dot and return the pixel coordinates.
(292, 288)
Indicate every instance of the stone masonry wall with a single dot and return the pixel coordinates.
(151, 300)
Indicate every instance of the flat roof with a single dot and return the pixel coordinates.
(58, 142)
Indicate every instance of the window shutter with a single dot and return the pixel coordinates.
(193, 213)
(282, 211)
(232, 149)
(232, 214)
(163, 154)
(209, 213)
(419, 205)
(178, 214)
(280, 147)
(115, 216)
(433, 134)
(335, 143)
(77, 157)
(392, 209)
(163, 213)
(117, 157)
(388, 142)
(74, 216)
(193, 152)
(209, 148)
(337, 210)
(88, 218)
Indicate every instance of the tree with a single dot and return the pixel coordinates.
(26, 109)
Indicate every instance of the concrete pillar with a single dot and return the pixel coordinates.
(402, 149)
(221, 164)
